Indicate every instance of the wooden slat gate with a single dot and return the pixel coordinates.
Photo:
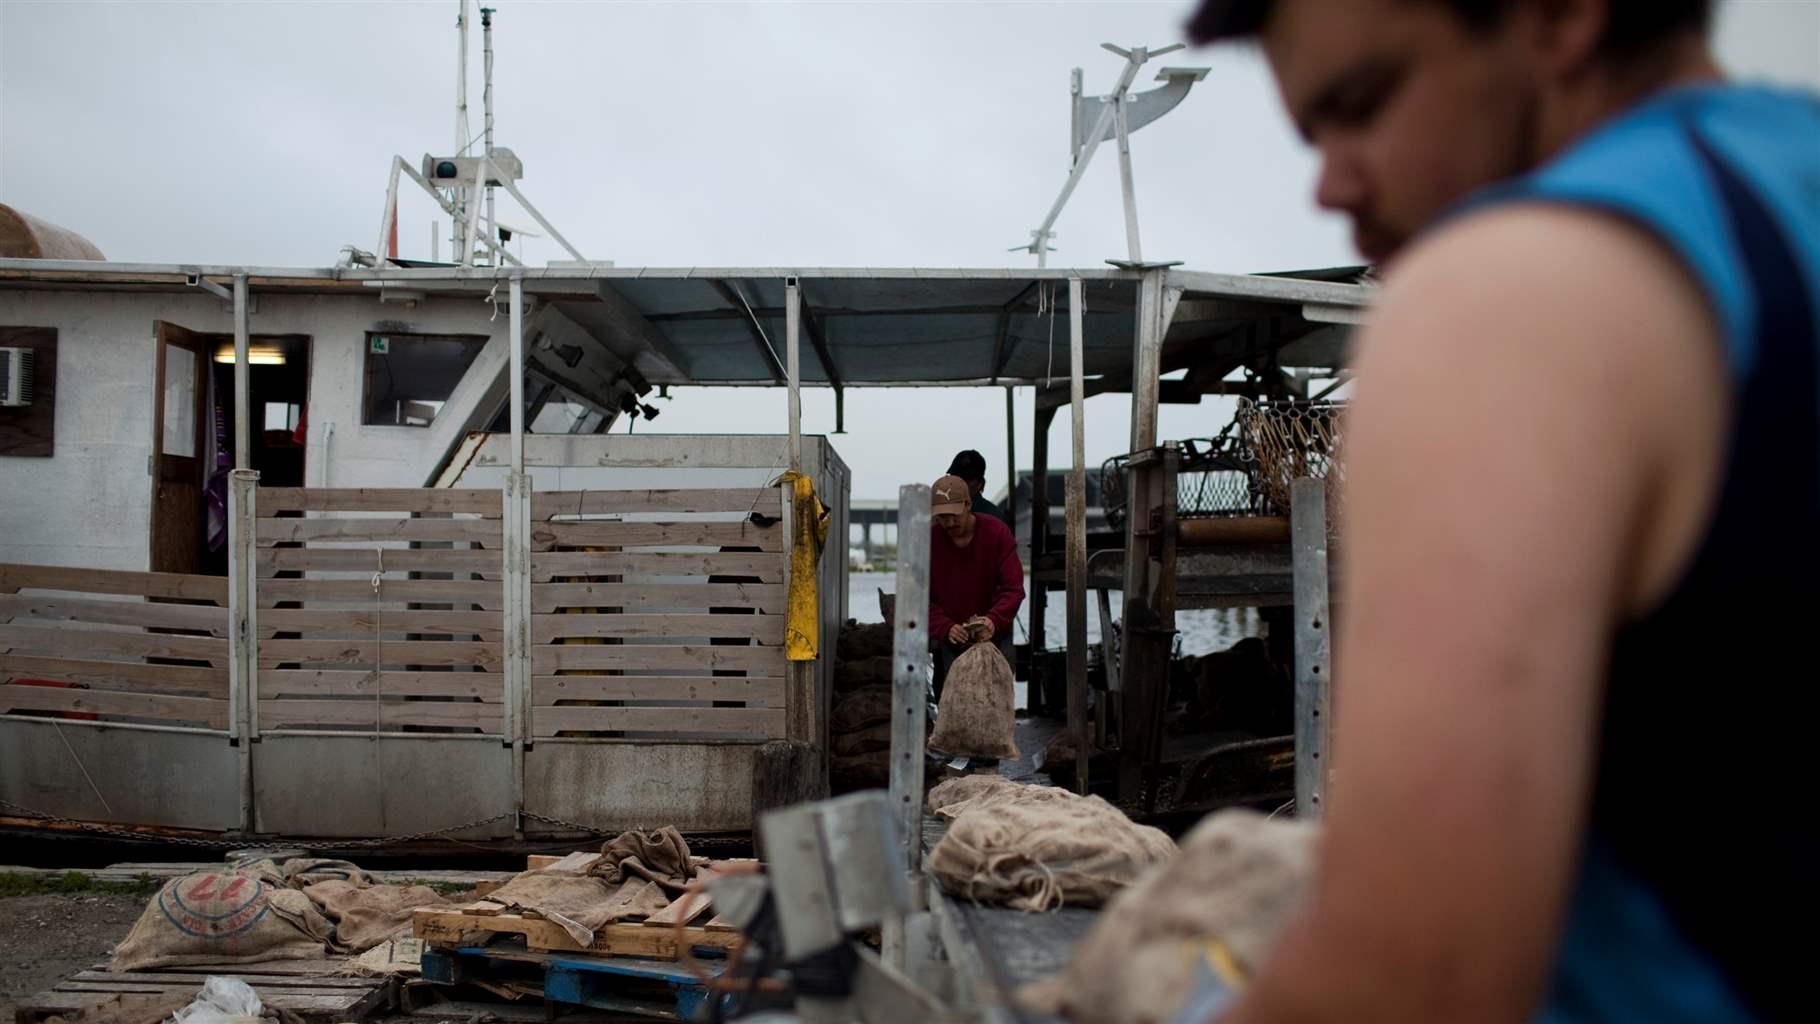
(380, 610)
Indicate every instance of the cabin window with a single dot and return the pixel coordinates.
(28, 414)
(410, 376)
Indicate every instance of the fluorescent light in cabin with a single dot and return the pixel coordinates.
(254, 356)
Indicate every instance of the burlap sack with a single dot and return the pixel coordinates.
(951, 797)
(580, 904)
(659, 855)
(1236, 881)
(870, 640)
(365, 916)
(865, 741)
(850, 675)
(1043, 848)
(977, 716)
(303, 872)
(238, 916)
(863, 707)
(853, 772)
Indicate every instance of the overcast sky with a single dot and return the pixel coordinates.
(678, 134)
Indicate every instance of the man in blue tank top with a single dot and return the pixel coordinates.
(1582, 539)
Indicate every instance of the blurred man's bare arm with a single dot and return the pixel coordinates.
(1532, 452)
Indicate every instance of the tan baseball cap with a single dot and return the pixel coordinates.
(949, 495)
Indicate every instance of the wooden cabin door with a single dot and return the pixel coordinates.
(180, 419)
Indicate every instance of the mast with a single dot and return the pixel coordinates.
(458, 194)
(486, 97)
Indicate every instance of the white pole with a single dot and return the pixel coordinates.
(792, 328)
(391, 210)
(1076, 559)
(518, 374)
(243, 443)
(461, 118)
(486, 98)
(481, 172)
(1126, 185)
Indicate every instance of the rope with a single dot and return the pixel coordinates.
(1288, 440)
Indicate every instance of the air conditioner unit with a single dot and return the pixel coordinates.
(15, 376)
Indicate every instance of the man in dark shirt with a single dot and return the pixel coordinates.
(976, 582)
(970, 466)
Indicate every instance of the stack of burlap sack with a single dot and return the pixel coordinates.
(859, 730)
(262, 910)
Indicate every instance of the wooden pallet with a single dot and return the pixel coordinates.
(478, 924)
(308, 988)
(629, 985)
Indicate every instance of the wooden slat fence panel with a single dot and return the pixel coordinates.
(763, 597)
(114, 645)
(547, 565)
(623, 534)
(480, 501)
(336, 653)
(766, 629)
(550, 504)
(699, 654)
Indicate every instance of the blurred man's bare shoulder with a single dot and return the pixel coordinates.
(1595, 327)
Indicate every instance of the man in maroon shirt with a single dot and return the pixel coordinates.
(976, 582)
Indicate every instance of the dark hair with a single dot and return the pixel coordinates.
(1633, 26)
(968, 465)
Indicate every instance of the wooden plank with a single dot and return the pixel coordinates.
(583, 533)
(447, 928)
(755, 690)
(473, 531)
(766, 629)
(687, 906)
(486, 686)
(280, 714)
(547, 504)
(484, 502)
(361, 621)
(60, 639)
(321, 970)
(392, 560)
(114, 613)
(484, 593)
(211, 712)
(112, 581)
(256, 975)
(369, 653)
(766, 597)
(769, 568)
(120, 675)
(767, 722)
(548, 659)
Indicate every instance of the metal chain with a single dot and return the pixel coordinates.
(225, 844)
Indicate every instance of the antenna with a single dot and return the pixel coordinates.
(1116, 116)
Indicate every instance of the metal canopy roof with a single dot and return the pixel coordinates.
(861, 326)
